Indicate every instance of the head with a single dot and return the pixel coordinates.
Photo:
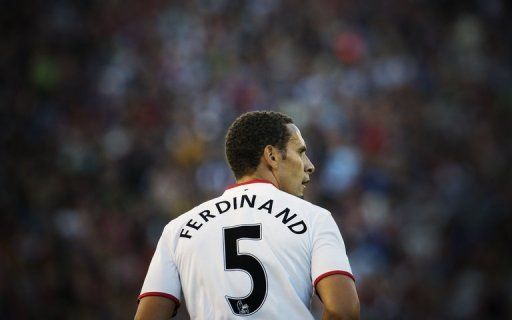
(267, 144)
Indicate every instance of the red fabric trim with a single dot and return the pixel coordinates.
(249, 182)
(330, 273)
(160, 294)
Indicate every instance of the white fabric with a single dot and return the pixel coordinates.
(192, 261)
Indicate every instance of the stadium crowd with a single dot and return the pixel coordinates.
(113, 122)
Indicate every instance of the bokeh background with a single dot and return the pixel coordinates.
(113, 115)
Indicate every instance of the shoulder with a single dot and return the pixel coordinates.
(317, 209)
(303, 204)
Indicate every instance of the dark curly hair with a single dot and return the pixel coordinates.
(249, 134)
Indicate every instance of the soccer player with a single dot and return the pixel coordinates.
(259, 250)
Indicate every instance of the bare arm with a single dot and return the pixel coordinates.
(155, 308)
(339, 296)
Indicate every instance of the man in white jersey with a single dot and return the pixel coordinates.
(259, 250)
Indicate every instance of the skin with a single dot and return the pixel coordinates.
(155, 308)
(339, 297)
(290, 172)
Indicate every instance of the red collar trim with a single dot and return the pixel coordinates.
(249, 182)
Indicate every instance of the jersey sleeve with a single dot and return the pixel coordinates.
(329, 255)
(162, 278)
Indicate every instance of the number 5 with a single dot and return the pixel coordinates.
(234, 261)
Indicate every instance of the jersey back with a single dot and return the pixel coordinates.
(253, 252)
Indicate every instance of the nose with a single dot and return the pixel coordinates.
(309, 167)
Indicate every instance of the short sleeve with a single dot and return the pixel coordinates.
(163, 278)
(329, 255)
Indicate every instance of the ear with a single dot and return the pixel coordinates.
(270, 156)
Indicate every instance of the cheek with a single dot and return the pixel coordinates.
(301, 162)
(298, 167)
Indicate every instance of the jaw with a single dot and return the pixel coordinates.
(294, 191)
(300, 191)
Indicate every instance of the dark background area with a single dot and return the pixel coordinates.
(113, 115)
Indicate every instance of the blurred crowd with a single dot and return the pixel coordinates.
(113, 122)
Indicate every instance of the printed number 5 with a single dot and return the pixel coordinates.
(235, 261)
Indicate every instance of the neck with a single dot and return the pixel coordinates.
(265, 175)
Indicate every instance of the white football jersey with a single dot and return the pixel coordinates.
(254, 252)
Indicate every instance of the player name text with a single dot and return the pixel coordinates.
(222, 207)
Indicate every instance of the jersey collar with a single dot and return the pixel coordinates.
(249, 182)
